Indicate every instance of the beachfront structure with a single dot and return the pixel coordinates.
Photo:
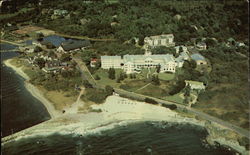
(199, 59)
(159, 40)
(195, 85)
(134, 63)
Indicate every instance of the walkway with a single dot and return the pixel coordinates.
(73, 109)
(143, 86)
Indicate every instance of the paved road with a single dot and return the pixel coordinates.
(133, 95)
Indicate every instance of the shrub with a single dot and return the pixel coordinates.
(171, 106)
(151, 101)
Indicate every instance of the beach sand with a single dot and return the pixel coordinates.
(33, 90)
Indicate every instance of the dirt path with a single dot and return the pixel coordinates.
(143, 86)
(73, 109)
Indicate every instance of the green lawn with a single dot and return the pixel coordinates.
(133, 85)
(103, 74)
(175, 98)
(166, 76)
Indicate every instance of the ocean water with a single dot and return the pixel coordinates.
(19, 109)
(149, 138)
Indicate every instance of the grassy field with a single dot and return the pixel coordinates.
(225, 102)
(166, 76)
(174, 98)
(60, 99)
(141, 84)
(134, 85)
(103, 74)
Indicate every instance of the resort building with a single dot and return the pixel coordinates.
(199, 59)
(159, 40)
(111, 62)
(134, 63)
(195, 85)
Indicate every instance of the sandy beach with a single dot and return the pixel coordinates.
(116, 111)
(33, 90)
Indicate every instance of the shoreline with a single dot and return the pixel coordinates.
(118, 111)
(35, 92)
(111, 116)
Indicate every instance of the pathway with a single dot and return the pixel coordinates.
(73, 109)
(143, 86)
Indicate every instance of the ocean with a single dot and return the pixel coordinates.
(148, 138)
(20, 110)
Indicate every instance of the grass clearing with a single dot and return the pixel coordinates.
(166, 76)
(174, 98)
(59, 99)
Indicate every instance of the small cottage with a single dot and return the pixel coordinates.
(199, 59)
(93, 62)
(201, 46)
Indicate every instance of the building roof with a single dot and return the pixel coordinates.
(75, 44)
(201, 44)
(182, 57)
(197, 56)
(55, 40)
(132, 58)
(163, 36)
(194, 82)
(110, 57)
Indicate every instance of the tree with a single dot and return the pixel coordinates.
(97, 77)
(38, 49)
(155, 80)
(111, 73)
(86, 84)
(141, 41)
(151, 101)
(158, 68)
(40, 62)
(65, 57)
(109, 90)
(187, 90)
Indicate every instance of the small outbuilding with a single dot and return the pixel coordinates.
(199, 59)
(195, 84)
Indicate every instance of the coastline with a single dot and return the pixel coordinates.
(113, 113)
(33, 90)
(118, 111)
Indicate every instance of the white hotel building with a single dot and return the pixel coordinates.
(134, 63)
